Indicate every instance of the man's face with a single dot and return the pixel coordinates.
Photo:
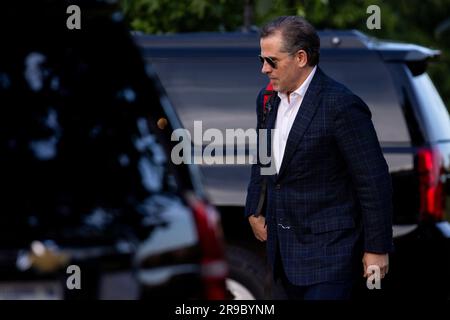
(287, 75)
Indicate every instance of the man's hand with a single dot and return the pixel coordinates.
(258, 225)
(380, 260)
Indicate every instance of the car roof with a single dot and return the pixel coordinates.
(341, 40)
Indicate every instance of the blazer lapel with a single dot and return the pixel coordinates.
(302, 120)
(272, 116)
(270, 124)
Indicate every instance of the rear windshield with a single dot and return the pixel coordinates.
(221, 92)
(216, 90)
(373, 83)
(434, 112)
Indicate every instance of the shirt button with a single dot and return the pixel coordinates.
(278, 187)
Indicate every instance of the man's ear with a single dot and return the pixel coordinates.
(302, 58)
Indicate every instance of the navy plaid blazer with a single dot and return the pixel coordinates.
(332, 198)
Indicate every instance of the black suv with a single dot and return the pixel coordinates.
(91, 205)
(215, 78)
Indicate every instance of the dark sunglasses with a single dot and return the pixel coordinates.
(269, 60)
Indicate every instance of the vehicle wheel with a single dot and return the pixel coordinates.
(247, 275)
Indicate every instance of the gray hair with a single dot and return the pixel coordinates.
(297, 33)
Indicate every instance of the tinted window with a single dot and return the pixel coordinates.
(215, 90)
(434, 112)
(372, 82)
(219, 91)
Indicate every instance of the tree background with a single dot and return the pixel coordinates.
(425, 23)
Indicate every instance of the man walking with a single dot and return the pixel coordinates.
(329, 205)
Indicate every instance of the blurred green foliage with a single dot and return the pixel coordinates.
(169, 16)
(415, 21)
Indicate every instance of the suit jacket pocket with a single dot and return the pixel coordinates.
(332, 224)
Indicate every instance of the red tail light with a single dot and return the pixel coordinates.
(432, 199)
(214, 267)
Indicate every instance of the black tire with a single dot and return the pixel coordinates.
(248, 270)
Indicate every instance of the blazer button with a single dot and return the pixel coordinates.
(278, 187)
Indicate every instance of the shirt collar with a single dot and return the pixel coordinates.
(301, 91)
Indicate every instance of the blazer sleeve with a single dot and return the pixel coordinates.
(359, 145)
(254, 186)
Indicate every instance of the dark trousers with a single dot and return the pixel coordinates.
(331, 290)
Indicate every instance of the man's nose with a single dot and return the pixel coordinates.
(266, 68)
